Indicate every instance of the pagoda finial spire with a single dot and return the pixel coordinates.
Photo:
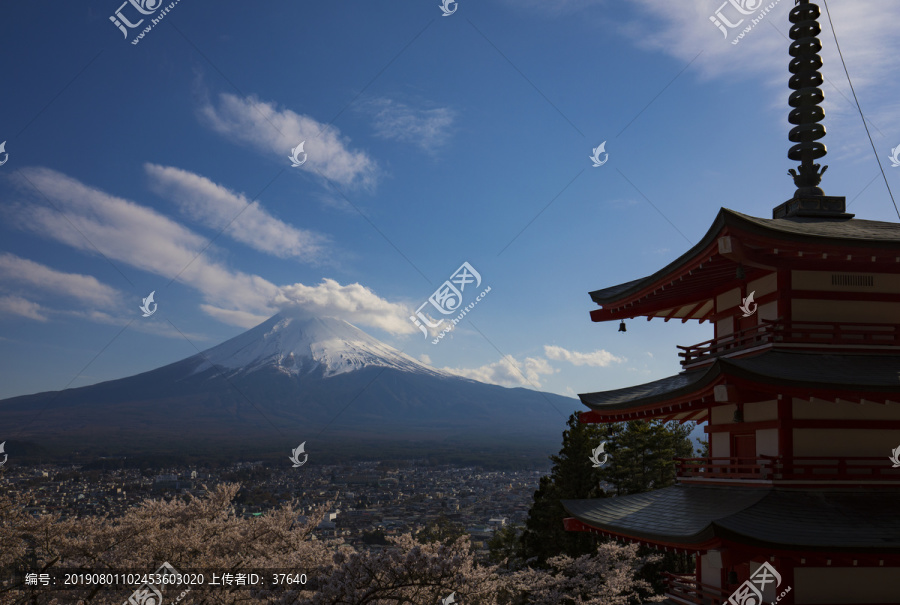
(806, 101)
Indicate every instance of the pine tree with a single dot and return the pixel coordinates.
(572, 477)
(641, 453)
(640, 460)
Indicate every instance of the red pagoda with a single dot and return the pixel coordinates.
(799, 499)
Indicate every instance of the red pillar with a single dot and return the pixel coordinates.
(786, 429)
(785, 567)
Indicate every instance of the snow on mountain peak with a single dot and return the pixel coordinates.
(296, 343)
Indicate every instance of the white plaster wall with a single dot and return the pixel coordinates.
(710, 568)
(719, 445)
(722, 414)
(724, 327)
(819, 409)
(760, 410)
(763, 285)
(767, 442)
(728, 300)
(846, 585)
(851, 311)
(845, 442)
(821, 280)
(768, 311)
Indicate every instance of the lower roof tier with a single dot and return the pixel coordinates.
(700, 517)
(801, 374)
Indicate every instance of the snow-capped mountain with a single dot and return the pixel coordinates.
(291, 379)
(299, 344)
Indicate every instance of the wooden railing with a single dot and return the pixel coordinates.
(686, 588)
(723, 468)
(807, 468)
(780, 331)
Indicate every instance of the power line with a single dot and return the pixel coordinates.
(868, 134)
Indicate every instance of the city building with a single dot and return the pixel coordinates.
(800, 388)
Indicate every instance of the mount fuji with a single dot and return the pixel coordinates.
(291, 379)
(298, 345)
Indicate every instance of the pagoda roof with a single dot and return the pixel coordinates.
(759, 239)
(825, 376)
(690, 516)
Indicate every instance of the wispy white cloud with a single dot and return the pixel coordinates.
(62, 288)
(244, 319)
(143, 238)
(276, 131)
(16, 305)
(352, 302)
(509, 372)
(216, 206)
(85, 288)
(157, 328)
(427, 128)
(137, 235)
(598, 358)
(866, 30)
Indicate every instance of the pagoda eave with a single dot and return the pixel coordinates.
(696, 518)
(769, 376)
(685, 288)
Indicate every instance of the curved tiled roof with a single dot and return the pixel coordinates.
(840, 372)
(853, 229)
(845, 232)
(857, 521)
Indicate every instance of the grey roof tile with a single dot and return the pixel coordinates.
(827, 520)
(869, 372)
(824, 231)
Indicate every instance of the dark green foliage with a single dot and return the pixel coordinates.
(441, 530)
(641, 453)
(571, 477)
(504, 544)
(640, 460)
(703, 450)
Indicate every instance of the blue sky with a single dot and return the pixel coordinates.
(430, 141)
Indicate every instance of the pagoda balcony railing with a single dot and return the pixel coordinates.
(806, 469)
(686, 589)
(796, 333)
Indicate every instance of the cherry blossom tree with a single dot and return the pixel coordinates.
(206, 533)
